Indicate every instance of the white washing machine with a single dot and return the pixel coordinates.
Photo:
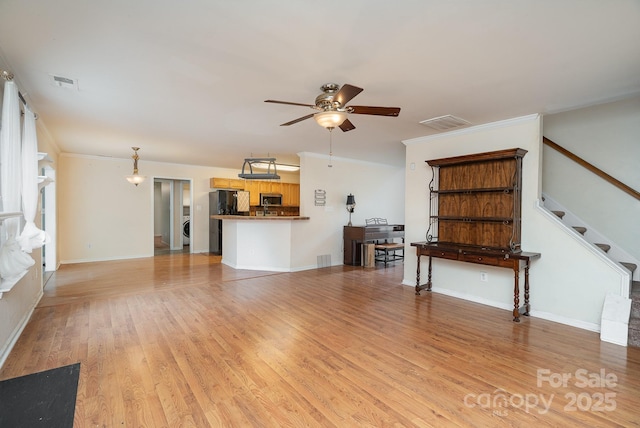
(186, 229)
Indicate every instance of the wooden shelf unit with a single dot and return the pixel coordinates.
(475, 200)
(475, 216)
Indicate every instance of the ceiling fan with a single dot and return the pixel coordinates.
(333, 110)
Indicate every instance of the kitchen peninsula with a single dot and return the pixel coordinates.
(258, 242)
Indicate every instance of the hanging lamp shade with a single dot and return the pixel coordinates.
(330, 118)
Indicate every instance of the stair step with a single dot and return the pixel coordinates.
(580, 229)
(635, 309)
(631, 266)
(635, 300)
(634, 332)
(559, 213)
(603, 247)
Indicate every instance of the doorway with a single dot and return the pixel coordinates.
(171, 216)
(48, 222)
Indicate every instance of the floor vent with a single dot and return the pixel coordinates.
(324, 261)
(445, 123)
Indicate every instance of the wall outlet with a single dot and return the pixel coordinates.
(484, 277)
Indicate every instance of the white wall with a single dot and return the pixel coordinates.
(606, 136)
(104, 217)
(378, 191)
(568, 282)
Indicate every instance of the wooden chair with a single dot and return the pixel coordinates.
(386, 252)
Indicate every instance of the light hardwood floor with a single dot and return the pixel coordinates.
(181, 340)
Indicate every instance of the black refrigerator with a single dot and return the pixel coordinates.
(221, 202)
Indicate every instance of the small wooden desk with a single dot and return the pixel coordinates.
(490, 257)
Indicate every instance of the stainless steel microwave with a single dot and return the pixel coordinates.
(270, 199)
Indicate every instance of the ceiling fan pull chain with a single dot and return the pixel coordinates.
(330, 146)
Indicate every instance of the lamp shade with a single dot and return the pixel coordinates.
(330, 119)
(135, 179)
(351, 200)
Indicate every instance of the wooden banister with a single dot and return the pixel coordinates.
(620, 185)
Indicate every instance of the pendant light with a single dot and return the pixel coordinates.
(135, 178)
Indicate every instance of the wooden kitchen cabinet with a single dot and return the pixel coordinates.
(253, 187)
(293, 195)
(226, 183)
(265, 186)
(290, 191)
(276, 187)
(286, 194)
(236, 183)
(290, 194)
(219, 183)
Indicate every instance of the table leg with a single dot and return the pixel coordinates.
(526, 290)
(516, 292)
(418, 276)
(429, 276)
(428, 284)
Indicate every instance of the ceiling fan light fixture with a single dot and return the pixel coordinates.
(330, 118)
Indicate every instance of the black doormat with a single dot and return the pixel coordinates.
(45, 399)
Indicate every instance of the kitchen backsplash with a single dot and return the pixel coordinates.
(281, 211)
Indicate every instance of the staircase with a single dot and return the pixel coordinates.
(612, 251)
(634, 320)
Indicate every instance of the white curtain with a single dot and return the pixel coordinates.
(13, 261)
(31, 237)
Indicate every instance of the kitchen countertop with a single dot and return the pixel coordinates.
(262, 218)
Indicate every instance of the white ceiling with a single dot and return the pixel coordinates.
(186, 80)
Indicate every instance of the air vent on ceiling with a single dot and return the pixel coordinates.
(64, 82)
(445, 123)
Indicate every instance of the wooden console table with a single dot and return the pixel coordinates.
(506, 259)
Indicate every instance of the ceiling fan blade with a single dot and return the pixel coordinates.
(378, 111)
(347, 126)
(346, 93)
(290, 103)
(300, 119)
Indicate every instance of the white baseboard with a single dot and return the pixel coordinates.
(536, 314)
(107, 259)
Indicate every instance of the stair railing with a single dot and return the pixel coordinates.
(620, 185)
